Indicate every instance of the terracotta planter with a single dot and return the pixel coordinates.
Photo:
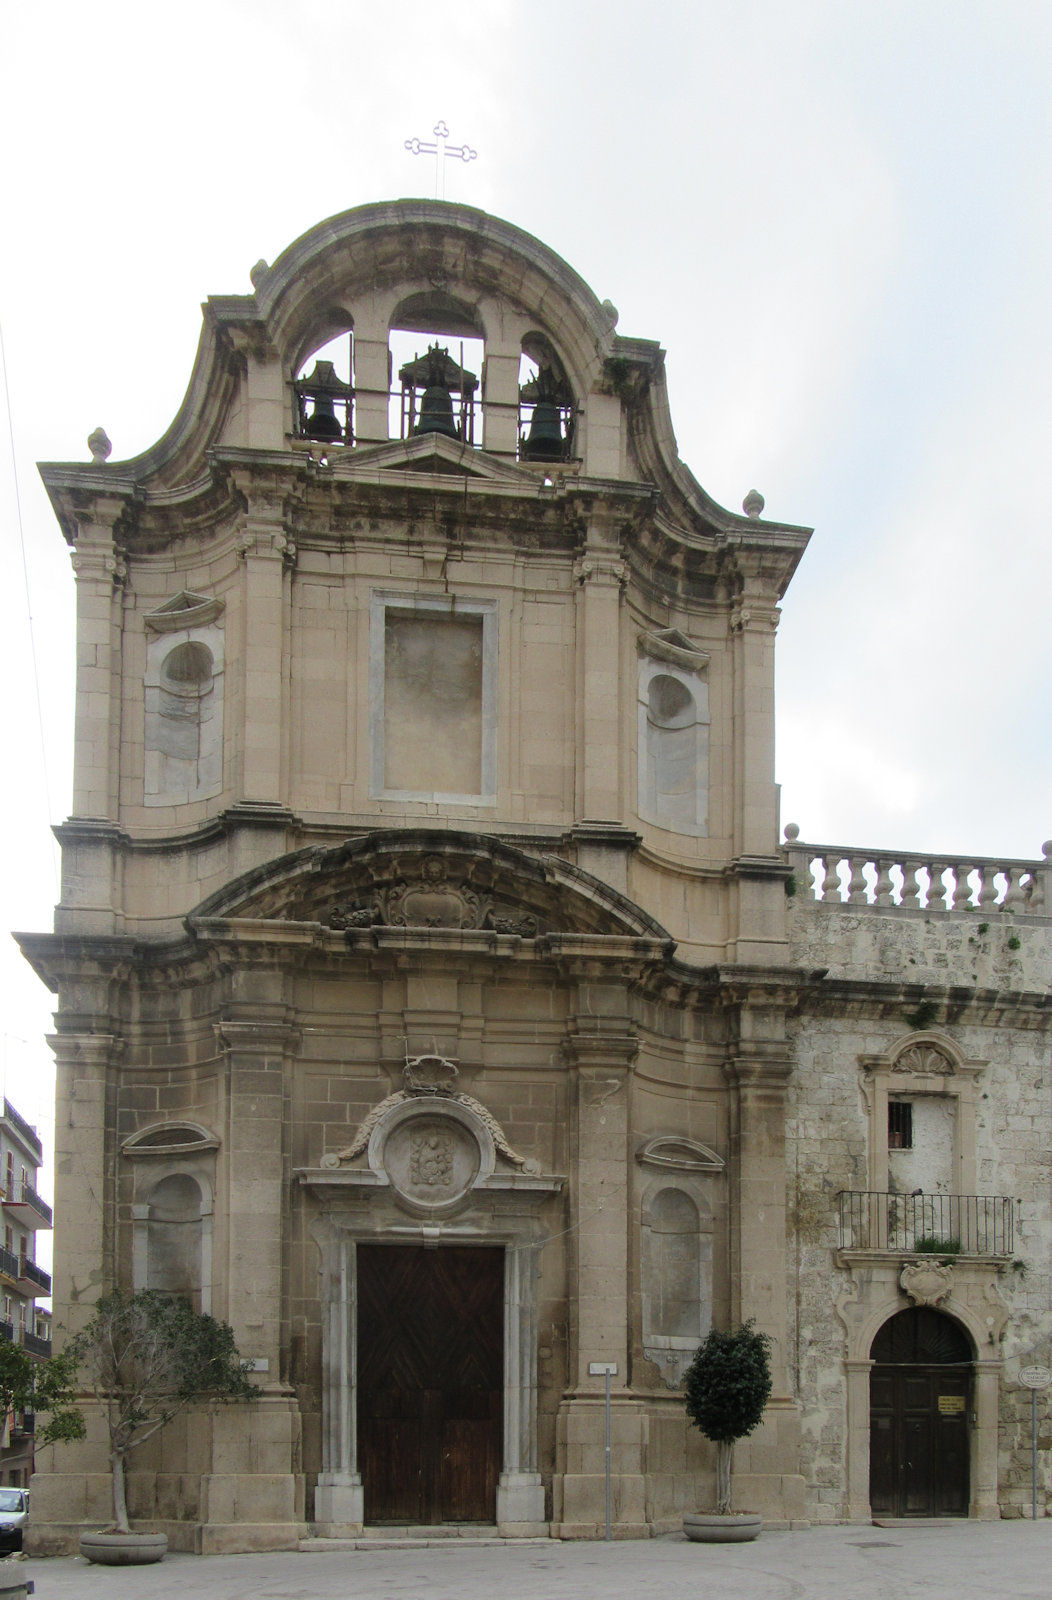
(710, 1527)
(123, 1549)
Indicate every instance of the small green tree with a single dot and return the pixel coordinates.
(144, 1357)
(728, 1385)
(44, 1387)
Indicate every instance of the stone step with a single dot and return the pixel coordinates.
(415, 1537)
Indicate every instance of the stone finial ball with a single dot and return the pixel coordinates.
(753, 503)
(1046, 849)
(99, 445)
(792, 832)
(258, 273)
(611, 313)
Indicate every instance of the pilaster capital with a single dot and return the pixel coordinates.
(769, 1072)
(264, 542)
(86, 1049)
(591, 1043)
(754, 616)
(261, 1035)
(601, 568)
(99, 563)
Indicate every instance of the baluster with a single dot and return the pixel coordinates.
(936, 887)
(831, 881)
(1015, 894)
(856, 888)
(910, 886)
(962, 895)
(987, 885)
(815, 869)
(883, 890)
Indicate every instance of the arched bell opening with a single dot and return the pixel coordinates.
(921, 1406)
(323, 383)
(546, 405)
(436, 346)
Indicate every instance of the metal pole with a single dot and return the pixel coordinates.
(1033, 1445)
(608, 1457)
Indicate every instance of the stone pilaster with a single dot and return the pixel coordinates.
(258, 1037)
(100, 573)
(600, 575)
(266, 552)
(600, 1049)
(83, 1261)
(766, 1466)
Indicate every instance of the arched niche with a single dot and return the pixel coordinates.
(547, 408)
(675, 1273)
(673, 737)
(173, 1184)
(183, 703)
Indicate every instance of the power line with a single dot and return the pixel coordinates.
(29, 605)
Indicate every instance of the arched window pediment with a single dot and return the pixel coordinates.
(168, 1139)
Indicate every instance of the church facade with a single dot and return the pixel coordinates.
(437, 1001)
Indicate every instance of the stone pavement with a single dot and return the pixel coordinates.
(959, 1561)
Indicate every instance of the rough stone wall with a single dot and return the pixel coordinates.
(971, 968)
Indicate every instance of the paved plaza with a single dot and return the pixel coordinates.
(963, 1561)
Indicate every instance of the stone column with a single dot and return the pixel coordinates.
(600, 575)
(266, 551)
(339, 1501)
(600, 1049)
(857, 1507)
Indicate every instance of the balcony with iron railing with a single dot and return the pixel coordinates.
(21, 1201)
(33, 1279)
(9, 1265)
(939, 1225)
(29, 1134)
(35, 1344)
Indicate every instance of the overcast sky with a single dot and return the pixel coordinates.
(834, 216)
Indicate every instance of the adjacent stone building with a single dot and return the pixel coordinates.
(437, 1001)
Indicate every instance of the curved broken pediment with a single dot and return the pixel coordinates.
(423, 879)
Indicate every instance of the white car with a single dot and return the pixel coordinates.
(14, 1514)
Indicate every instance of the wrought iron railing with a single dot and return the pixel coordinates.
(23, 1194)
(35, 1344)
(29, 1134)
(9, 1264)
(930, 1224)
(29, 1272)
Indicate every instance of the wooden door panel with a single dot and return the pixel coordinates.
(430, 1381)
(919, 1448)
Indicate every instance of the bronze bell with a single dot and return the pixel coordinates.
(544, 441)
(436, 412)
(321, 388)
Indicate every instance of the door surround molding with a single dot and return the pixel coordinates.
(505, 1219)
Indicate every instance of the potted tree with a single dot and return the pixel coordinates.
(145, 1357)
(727, 1386)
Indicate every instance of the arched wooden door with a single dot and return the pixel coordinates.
(430, 1381)
(920, 1401)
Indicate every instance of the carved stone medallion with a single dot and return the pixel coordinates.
(926, 1285)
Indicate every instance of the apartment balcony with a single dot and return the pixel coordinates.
(939, 1225)
(33, 1280)
(7, 1330)
(35, 1344)
(24, 1204)
(9, 1265)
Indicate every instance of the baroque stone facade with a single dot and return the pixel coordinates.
(437, 1002)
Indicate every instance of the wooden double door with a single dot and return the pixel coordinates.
(430, 1382)
(920, 1392)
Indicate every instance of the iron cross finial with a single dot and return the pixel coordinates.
(440, 148)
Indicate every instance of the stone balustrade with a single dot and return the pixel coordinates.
(893, 879)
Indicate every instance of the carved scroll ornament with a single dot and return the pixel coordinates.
(431, 901)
